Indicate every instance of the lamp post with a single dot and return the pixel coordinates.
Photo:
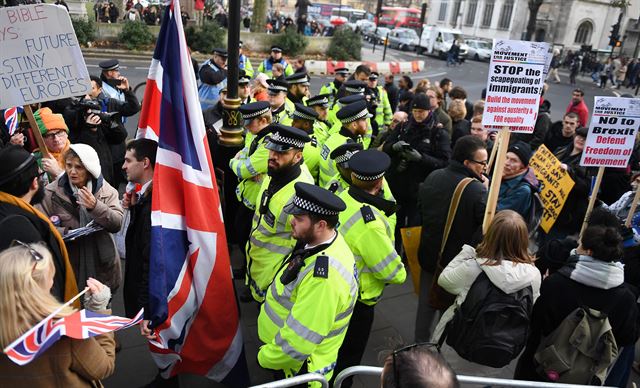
(231, 132)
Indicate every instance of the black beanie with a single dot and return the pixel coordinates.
(13, 161)
(421, 101)
(523, 150)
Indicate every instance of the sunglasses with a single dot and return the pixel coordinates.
(429, 345)
(35, 255)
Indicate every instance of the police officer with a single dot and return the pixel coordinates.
(244, 63)
(281, 108)
(341, 156)
(275, 57)
(332, 87)
(303, 118)
(213, 77)
(321, 126)
(353, 119)
(250, 165)
(306, 313)
(244, 88)
(298, 87)
(380, 102)
(270, 238)
(366, 230)
(113, 83)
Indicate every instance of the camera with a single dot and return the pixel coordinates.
(93, 107)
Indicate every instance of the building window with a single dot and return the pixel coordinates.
(505, 15)
(471, 13)
(488, 13)
(454, 14)
(583, 36)
(443, 10)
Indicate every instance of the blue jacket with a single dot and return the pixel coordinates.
(515, 193)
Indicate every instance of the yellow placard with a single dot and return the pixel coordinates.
(411, 243)
(556, 184)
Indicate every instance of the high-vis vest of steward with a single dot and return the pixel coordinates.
(328, 169)
(250, 165)
(307, 319)
(270, 239)
(371, 239)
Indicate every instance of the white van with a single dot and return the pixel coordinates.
(437, 41)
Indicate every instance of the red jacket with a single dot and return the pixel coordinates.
(582, 111)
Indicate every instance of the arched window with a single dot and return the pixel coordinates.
(583, 35)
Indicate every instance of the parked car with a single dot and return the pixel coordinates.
(381, 35)
(403, 39)
(437, 41)
(364, 24)
(367, 31)
(479, 50)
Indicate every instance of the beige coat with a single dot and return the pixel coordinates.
(94, 255)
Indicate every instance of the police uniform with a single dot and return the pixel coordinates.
(109, 90)
(244, 79)
(212, 80)
(383, 106)
(306, 313)
(270, 238)
(340, 103)
(282, 115)
(341, 155)
(245, 64)
(348, 114)
(321, 128)
(297, 79)
(266, 65)
(311, 152)
(371, 239)
(332, 87)
(356, 93)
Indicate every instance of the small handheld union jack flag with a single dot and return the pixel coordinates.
(82, 324)
(11, 118)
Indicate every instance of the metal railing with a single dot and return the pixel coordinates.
(291, 381)
(376, 371)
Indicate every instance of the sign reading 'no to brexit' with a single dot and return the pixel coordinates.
(514, 85)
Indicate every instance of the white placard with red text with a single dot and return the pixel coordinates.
(514, 85)
(614, 126)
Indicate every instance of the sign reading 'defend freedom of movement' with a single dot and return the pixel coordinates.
(41, 59)
(516, 80)
(612, 133)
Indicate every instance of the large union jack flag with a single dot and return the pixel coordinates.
(192, 304)
(82, 324)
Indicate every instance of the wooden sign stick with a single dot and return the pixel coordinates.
(496, 178)
(494, 150)
(592, 200)
(634, 206)
(36, 131)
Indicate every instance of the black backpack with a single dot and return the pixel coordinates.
(490, 327)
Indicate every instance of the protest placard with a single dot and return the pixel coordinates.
(612, 133)
(514, 85)
(556, 184)
(41, 57)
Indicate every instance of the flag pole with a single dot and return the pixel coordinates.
(53, 314)
(36, 131)
(634, 206)
(592, 200)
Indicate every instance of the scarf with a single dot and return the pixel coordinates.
(388, 207)
(84, 216)
(593, 273)
(70, 286)
(59, 156)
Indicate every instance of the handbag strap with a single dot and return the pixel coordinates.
(453, 208)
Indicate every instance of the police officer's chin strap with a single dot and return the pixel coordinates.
(388, 207)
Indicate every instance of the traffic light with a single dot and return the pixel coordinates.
(614, 37)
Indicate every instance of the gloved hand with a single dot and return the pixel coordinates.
(412, 155)
(399, 146)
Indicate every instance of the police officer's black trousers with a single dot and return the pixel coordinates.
(355, 341)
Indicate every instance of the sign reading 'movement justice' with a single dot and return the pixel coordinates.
(41, 58)
(612, 133)
(514, 85)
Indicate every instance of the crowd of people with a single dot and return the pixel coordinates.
(316, 199)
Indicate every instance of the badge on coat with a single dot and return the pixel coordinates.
(321, 269)
(367, 214)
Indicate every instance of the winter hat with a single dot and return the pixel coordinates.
(522, 150)
(421, 101)
(88, 157)
(48, 121)
(14, 160)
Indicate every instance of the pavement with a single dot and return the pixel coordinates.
(395, 313)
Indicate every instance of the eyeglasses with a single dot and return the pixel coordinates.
(51, 135)
(483, 162)
(35, 255)
(396, 375)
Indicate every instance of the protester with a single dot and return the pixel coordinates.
(504, 258)
(561, 133)
(445, 87)
(458, 93)
(578, 106)
(436, 101)
(405, 84)
(81, 197)
(392, 91)
(259, 88)
(417, 365)
(622, 206)
(28, 271)
(518, 180)
(460, 126)
(55, 133)
(540, 129)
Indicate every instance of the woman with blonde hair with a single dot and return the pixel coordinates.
(461, 126)
(26, 276)
(504, 257)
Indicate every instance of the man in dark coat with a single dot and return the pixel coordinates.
(392, 91)
(138, 165)
(469, 160)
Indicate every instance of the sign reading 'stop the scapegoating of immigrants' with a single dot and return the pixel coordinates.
(41, 59)
(612, 133)
(516, 79)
